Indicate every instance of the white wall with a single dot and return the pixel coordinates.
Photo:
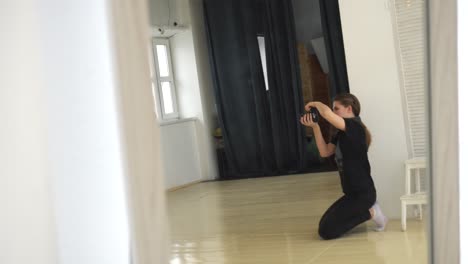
(373, 78)
(207, 95)
(181, 153)
(185, 73)
(27, 211)
(166, 12)
(190, 100)
(190, 105)
(196, 100)
(194, 94)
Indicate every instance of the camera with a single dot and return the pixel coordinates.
(315, 114)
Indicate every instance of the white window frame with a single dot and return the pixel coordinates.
(158, 80)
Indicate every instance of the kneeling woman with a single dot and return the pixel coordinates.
(350, 146)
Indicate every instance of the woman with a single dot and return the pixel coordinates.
(350, 146)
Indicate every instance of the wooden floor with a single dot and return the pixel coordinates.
(274, 220)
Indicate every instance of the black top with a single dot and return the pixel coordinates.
(351, 157)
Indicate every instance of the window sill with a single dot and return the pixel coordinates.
(176, 121)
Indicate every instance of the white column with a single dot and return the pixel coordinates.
(78, 141)
(463, 125)
(140, 131)
(84, 147)
(27, 233)
(444, 162)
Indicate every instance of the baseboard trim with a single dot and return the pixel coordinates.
(183, 186)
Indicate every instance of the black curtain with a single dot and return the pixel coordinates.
(333, 35)
(286, 103)
(261, 132)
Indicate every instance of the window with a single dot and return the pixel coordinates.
(261, 47)
(164, 79)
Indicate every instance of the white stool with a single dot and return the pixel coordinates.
(413, 198)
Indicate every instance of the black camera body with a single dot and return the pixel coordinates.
(315, 114)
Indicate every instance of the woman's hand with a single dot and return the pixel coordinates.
(319, 105)
(325, 111)
(306, 120)
(309, 105)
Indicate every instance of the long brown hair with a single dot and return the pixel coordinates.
(347, 99)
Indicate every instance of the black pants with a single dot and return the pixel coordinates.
(346, 213)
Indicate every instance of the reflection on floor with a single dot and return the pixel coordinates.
(274, 220)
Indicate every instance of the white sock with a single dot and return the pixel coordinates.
(379, 218)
